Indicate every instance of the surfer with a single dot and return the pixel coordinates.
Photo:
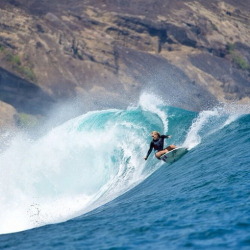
(157, 144)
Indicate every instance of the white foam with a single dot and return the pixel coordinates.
(210, 121)
(74, 168)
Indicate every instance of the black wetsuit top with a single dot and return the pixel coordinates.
(157, 145)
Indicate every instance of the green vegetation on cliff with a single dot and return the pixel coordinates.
(17, 64)
(237, 58)
(240, 62)
(1, 48)
(27, 121)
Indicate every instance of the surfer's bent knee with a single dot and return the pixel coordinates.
(170, 147)
(157, 157)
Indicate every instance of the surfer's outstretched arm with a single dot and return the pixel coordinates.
(166, 136)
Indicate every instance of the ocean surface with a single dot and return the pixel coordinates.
(85, 184)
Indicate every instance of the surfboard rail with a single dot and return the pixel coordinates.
(174, 154)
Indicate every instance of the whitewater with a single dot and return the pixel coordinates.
(88, 177)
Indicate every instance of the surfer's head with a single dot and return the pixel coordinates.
(155, 135)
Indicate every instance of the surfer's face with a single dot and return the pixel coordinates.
(155, 136)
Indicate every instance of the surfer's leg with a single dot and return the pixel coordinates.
(164, 151)
(170, 147)
(160, 153)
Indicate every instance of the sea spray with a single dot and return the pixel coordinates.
(154, 104)
(210, 121)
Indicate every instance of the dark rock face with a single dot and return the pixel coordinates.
(164, 79)
(23, 95)
(234, 83)
(107, 52)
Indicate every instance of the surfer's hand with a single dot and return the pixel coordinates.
(169, 136)
(145, 158)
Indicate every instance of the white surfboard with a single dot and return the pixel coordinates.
(174, 155)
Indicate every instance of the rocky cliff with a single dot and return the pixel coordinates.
(105, 52)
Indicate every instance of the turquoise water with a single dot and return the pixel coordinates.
(85, 184)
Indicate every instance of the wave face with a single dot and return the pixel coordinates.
(94, 158)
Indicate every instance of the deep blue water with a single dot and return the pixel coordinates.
(91, 172)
